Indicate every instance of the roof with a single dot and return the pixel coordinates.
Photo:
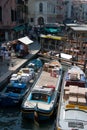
(25, 40)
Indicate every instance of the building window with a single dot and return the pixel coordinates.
(0, 13)
(32, 20)
(13, 15)
(40, 7)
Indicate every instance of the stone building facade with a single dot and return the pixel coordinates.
(12, 17)
(41, 12)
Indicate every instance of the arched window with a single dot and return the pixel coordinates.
(40, 7)
(40, 21)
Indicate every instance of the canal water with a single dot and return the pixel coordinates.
(11, 119)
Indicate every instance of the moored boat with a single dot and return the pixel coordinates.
(17, 88)
(36, 64)
(13, 94)
(72, 109)
(41, 102)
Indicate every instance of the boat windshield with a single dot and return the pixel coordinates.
(39, 97)
(14, 90)
(78, 115)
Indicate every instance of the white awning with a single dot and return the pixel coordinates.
(66, 56)
(25, 40)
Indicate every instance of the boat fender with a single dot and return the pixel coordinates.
(30, 97)
(49, 99)
(36, 119)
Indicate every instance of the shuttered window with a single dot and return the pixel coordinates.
(0, 13)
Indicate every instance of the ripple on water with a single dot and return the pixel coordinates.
(11, 119)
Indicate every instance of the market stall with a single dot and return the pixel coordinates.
(21, 46)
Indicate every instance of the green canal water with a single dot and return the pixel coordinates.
(11, 119)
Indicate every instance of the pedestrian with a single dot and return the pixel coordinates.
(2, 54)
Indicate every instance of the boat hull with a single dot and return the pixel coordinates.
(9, 102)
(40, 116)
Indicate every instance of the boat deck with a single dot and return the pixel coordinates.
(72, 110)
(46, 79)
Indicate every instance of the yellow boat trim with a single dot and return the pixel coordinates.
(39, 113)
(58, 129)
(82, 107)
(46, 114)
(72, 106)
(26, 112)
(53, 37)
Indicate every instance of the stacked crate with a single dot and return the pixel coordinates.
(73, 92)
(75, 95)
(82, 96)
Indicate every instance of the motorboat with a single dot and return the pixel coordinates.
(72, 108)
(17, 88)
(13, 94)
(41, 101)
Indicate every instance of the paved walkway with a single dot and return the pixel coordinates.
(16, 63)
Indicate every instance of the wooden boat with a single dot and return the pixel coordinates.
(72, 109)
(41, 102)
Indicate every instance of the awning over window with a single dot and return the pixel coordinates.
(26, 40)
(19, 28)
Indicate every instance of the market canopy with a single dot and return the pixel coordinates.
(52, 37)
(26, 40)
(19, 28)
(52, 30)
(66, 56)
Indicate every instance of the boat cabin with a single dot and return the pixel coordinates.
(16, 88)
(43, 93)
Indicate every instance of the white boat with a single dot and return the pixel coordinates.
(72, 109)
(41, 102)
